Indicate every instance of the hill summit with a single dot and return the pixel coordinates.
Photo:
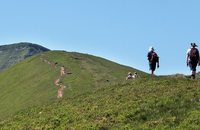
(14, 53)
(31, 82)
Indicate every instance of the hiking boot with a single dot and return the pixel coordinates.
(192, 76)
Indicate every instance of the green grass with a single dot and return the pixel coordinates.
(156, 103)
(97, 96)
(31, 82)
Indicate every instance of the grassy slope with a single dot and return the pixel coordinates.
(142, 104)
(31, 82)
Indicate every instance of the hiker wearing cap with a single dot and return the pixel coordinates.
(193, 59)
(135, 75)
(153, 60)
(129, 76)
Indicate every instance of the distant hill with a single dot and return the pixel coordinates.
(31, 82)
(14, 53)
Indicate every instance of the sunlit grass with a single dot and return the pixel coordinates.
(31, 82)
(145, 103)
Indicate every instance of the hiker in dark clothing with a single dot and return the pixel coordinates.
(153, 60)
(193, 59)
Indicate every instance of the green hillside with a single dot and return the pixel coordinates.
(143, 104)
(31, 82)
(14, 53)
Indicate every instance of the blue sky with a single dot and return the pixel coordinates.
(118, 30)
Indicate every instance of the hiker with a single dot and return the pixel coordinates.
(62, 70)
(193, 59)
(153, 59)
(135, 75)
(131, 76)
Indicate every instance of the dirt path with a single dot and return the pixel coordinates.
(58, 83)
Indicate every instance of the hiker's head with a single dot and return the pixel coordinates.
(194, 45)
(151, 48)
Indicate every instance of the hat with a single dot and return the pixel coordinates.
(151, 48)
(194, 45)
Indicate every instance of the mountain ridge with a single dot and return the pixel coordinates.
(14, 53)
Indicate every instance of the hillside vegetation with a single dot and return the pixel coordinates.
(14, 53)
(31, 82)
(143, 104)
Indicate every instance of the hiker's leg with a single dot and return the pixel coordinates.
(193, 75)
(192, 69)
(193, 72)
(149, 66)
(153, 67)
(152, 72)
(193, 66)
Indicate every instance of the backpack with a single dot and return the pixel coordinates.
(154, 57)
(194, 54)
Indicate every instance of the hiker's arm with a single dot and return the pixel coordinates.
(199, 62)
(198, 59)
(149, 56)
(158, 63)
(187, 57)
(187, 60)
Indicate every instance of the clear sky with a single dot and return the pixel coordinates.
(118, 30)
